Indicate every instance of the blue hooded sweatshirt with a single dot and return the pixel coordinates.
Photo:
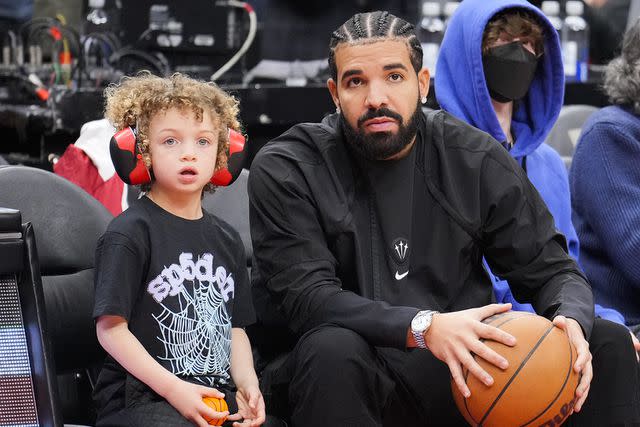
(461, 89)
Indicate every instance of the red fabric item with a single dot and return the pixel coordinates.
(78, 168)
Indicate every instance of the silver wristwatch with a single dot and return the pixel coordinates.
(420, 325)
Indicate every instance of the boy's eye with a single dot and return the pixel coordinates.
(170, 141)
(203, 141)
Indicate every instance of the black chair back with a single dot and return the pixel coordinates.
(67, 223)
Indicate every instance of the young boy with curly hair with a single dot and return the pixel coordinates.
(172, 291)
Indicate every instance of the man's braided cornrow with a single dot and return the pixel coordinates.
(375, 26)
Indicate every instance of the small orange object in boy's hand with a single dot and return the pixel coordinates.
(218, 405)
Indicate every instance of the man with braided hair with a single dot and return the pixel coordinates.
(369, 231)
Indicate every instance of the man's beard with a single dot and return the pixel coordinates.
(381, 145)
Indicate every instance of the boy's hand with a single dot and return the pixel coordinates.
(186, 398)
(250, 407)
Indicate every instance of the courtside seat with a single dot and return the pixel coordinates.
(232, 205)
(566, 131)
(67, 223)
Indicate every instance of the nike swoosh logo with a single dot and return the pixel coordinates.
(401, 276)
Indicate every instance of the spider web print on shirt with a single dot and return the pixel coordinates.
(197, 334)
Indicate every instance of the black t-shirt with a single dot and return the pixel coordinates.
(392, 182)
(403, 213)
(181, 285)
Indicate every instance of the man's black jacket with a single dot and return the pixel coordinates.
(319, 263)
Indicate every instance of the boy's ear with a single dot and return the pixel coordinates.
(127, 159)
(236, 157)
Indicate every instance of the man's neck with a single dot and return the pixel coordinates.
(504, 112)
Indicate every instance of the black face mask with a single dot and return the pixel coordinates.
(509, 70)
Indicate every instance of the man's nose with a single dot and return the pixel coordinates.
(377, 96)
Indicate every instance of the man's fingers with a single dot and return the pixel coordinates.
(560, 322)
(583, 361)
(585, 382)
(474, 368)
(577, 339)
(458, 378)
(492, 333)
(583, 387)
(584, 356)
(636, 344)
(491, 309)
(488, 354)
(580, 402)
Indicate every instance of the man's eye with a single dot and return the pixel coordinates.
(354, 82)
(395, 77)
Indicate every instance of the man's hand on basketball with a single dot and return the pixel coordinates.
(583, 361)
(455, 337)
(636, 345)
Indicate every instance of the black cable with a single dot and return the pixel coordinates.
(24, 27)
(161, 67)
(103, 37)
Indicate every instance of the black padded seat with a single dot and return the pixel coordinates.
(232, 205)
(67, 222)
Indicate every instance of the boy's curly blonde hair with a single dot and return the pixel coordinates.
(134, 101)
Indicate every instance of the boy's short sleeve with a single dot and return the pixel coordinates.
(243, 311)
(118, 274)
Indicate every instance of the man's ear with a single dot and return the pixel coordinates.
(333, 90)
(423, 82)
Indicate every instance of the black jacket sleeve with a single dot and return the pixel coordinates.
(293, 260)
(523, 246)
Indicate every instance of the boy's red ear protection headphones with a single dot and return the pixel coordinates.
(130, 167)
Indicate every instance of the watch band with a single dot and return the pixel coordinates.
(419, 339)
(418, 330)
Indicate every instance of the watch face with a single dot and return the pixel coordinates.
(419, 323)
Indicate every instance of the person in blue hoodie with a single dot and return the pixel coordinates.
(510, 84)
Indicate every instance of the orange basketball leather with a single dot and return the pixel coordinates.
(538, 387)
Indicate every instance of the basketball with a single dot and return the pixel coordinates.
(537, 389)
(218, 405)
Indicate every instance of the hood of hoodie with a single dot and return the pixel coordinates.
(461, 88)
